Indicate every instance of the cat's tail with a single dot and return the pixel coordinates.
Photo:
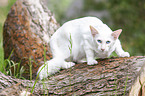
(50, 67)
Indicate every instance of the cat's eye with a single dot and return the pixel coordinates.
(107, 42)
(99, 41)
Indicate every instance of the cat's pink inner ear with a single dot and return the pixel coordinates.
(93, 31)
(116, 33)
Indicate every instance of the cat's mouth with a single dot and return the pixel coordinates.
(103, 52)
(100, 51)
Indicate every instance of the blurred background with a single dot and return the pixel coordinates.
(128, 15)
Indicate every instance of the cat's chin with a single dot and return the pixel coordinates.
(103, 52)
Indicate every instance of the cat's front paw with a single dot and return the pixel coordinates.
(92, 62)
(125, 54)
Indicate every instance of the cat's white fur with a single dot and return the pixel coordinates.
(89, 37)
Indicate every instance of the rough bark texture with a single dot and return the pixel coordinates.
(107, 78)
(27, 29)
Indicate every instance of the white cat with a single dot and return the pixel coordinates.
(81, 38)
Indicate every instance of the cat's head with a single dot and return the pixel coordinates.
(104, 40)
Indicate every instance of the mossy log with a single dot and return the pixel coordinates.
(110, 77)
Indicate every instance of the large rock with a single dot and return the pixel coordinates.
(27, 31)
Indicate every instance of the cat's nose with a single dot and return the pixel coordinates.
(102, 49)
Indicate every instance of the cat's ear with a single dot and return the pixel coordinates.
(116, 33)
(93, 31)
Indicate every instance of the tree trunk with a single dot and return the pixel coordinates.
(27, 31)
(115, 76)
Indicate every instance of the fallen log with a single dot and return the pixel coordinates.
(113, 76)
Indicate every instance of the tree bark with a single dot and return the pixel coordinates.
(115, 76)
(27, 31)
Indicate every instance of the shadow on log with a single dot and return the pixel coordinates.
(115, 76)
(27, 30)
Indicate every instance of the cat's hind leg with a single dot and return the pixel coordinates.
(61, 49)
(53, 66)
(50, 67)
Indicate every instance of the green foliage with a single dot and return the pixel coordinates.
(13, 69)
(70, 47)
(3, 13)
(59, 7)
(125, 85)
(129, 15)
(94, 5)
